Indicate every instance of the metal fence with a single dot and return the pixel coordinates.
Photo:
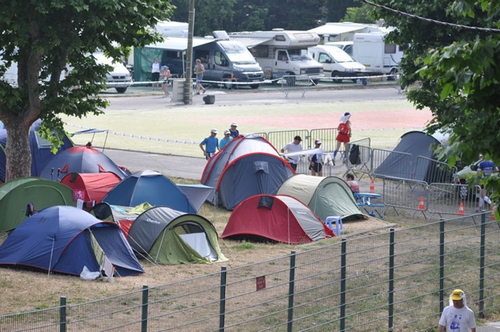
(394, 279)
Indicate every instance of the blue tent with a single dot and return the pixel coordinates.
(64, 239)
(152, 187)
(41, 151)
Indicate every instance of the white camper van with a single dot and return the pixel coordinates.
(281, 52)
(377, 56)
(119, 77)
(336, 63)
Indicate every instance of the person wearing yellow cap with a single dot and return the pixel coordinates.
(457, 317)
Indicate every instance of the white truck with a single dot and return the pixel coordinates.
(282, 52)
(336, 63)
(378, 57)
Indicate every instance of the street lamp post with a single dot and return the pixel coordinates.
(188, 96)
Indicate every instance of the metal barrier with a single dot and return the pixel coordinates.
(396, 164)
(363, 165)
(432, 170)
(453, 199)
(300, 83)
(401, 193)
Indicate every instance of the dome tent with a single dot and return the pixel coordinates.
(65, 239)
(248, 165)
(325, 196)
(280, 218)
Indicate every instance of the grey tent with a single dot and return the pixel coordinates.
(325, 196)
(413, 158)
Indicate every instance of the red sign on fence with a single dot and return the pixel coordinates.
(260, 282)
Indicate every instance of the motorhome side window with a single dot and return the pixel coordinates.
(260, 51)
(202, 55)
(390, 48)
(220, 59)
(324, 58)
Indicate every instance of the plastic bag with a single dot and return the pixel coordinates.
(88, 275)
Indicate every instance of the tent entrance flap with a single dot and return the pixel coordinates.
(199, 242)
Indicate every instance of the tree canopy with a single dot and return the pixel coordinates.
(47, 38)
(454, 56)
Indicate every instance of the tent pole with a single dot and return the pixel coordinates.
(51, 254)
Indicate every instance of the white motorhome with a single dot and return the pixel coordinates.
(281, 52)
(336, 63)
(377, 56)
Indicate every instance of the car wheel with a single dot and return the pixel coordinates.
(392, 74)
(254, 86)
(121, 90)
(336, 77)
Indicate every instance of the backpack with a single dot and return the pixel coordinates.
(343, 128)
(354, 155)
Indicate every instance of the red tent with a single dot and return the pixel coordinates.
(279, 218)
(90, 187)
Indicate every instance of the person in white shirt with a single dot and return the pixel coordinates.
(457, 317)
(294, 146)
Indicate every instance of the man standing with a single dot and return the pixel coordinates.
(457, 317)
(226, 139)
(294, 146)
(485, 168)
(233, 131)
(211, 144)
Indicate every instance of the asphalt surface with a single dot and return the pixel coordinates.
(192, 167)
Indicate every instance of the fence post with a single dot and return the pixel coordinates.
(343, 268)
(144, 314)
(441, 264)
(62, 314)
(291, 291)
(481, 265)
(222, 307)
(391, 278)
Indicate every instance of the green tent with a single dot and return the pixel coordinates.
(325, 196)
(15, 196)
(168, 236)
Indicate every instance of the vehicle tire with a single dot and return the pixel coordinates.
(392, 74)
(336, 77)
(121, 90)
(254, 86)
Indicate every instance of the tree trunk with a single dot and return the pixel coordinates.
(18, 150)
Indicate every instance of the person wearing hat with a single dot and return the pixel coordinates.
(226, 139)
(291, 147)
(457, 317)
(166, 77)
(211, 144)
(344, 134)
(316, 160)
(233, 132)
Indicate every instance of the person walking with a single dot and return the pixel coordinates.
(457, 317)
(316, 160)
(211, 144)
(199, 70)
(166, 77)
(155, 74)
(344, 135)
(485, 168)
(294, 146)
(226, 139)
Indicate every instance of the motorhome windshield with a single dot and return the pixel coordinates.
(237, 53)
(342, 57)
(298, 55)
